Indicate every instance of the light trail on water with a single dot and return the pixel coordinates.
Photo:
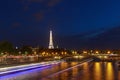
(7, 70)
(23, 74)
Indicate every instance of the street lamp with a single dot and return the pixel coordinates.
(97, 52)
(108, 52)
(84, 52)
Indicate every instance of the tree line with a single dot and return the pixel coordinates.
(8, 48)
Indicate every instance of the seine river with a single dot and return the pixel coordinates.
(69, 71)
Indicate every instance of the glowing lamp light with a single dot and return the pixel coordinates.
(84, 52)
(108, 52)
(97, 52)
(65, 52)
(105, 57)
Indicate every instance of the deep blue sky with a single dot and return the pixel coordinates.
(28, 21)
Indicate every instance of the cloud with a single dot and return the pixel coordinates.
(36, 0)
(48, 3)
(38, 16)
(39, 13)
(16, 24)
(52, 3)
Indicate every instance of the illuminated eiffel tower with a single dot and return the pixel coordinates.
(51, 46)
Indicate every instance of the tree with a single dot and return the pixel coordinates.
(26, 49)
(6, 46)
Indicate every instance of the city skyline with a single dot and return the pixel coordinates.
(76, 24)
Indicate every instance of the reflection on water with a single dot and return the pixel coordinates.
(119, 75)
(97, 71)
(74, 71)
(90, 71)
(87, 71)
(64, 76)
(109, 71)
(63, 65)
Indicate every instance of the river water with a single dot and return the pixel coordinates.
(69, 71)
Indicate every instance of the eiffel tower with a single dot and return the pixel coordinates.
(51, 46)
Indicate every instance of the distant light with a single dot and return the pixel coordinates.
(76, 56)
(105, 57)
(2, 53)
(108, 52)
(84, 52)
(57, 57)
(97, 52)
(16, 47)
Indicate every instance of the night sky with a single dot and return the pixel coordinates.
(76, 24)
